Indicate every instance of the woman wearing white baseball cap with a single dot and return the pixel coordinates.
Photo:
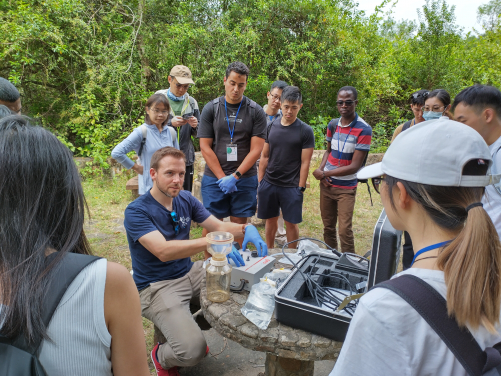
(432, 181)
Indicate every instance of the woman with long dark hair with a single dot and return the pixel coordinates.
(432, 179)
(97, 327)
(146, 139)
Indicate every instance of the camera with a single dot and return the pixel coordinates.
(187, 116)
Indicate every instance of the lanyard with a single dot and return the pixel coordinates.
(228, 119)
(338, 137)
(429, 248)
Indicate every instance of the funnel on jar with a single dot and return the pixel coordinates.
(219, 244)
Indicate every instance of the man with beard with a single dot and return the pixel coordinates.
(158, 231)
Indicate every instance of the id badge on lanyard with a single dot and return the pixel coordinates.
(231, 152)
(231, 148)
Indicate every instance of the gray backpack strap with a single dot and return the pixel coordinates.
(173, 133)
(215, 103)
(252, 106)
(433, 309)
(144, 131)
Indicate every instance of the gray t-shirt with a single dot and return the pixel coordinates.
(246, 127)
(286, 145)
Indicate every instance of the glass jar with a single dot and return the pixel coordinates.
(218, 280)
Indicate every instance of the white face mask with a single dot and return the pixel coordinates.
(431, 115)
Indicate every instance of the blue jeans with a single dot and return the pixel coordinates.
(240, 204)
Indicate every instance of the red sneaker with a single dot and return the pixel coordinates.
(174, 371)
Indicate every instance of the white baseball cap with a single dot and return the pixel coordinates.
(434, 152)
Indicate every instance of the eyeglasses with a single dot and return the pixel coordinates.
(179, 86)
(376, 183)
(185, 87)
(275, 97)
(347, 103)
(173, 215)
(158, 112)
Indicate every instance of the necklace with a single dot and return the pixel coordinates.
(424, 258)
(429, 248)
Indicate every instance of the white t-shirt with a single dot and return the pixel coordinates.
(388, 337)
(492, 196)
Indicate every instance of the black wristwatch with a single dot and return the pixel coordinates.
(302, 189)
(238, 174)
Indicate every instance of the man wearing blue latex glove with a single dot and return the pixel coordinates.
(236, 257)
(158, 231)
(228, 184)
(252, 236)
(232, 131)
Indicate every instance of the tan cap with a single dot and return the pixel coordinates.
(182, 74)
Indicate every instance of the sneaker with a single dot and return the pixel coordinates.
(174, 371)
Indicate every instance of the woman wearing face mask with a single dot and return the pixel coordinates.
(436, 105)
(433, 190)
(146, 139)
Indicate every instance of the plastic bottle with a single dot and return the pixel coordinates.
(218, 280)
(218, 272)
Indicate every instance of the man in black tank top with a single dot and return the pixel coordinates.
(417, 102)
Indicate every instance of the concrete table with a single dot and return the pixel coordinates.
(289, 351)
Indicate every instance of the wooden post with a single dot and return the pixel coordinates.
(277, 366)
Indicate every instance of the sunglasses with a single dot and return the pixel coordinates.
(376, 183)
(348, 103)
(419, 95)
(173, 215)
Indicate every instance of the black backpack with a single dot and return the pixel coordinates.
(433, 308)
(407, 125)
(17, 358)
(249, 103)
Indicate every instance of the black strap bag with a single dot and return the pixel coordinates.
(17, 357)
(433, 308)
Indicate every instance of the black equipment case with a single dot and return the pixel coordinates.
(296, 307)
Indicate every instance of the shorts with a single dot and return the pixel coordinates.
(272, 198)
(240, 204)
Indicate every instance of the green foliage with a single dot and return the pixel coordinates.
(489, 14)
(86, 67)
(319, 125)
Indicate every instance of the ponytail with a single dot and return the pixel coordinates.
(472, 261)
(471, 265)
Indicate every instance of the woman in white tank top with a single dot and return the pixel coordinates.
(97, 326)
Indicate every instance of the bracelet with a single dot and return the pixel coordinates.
(323, 174)
(243, 228)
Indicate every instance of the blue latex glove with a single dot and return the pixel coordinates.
(236, 257)
(228, 184)
(252, 235)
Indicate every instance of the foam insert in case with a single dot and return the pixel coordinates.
(296, 307)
